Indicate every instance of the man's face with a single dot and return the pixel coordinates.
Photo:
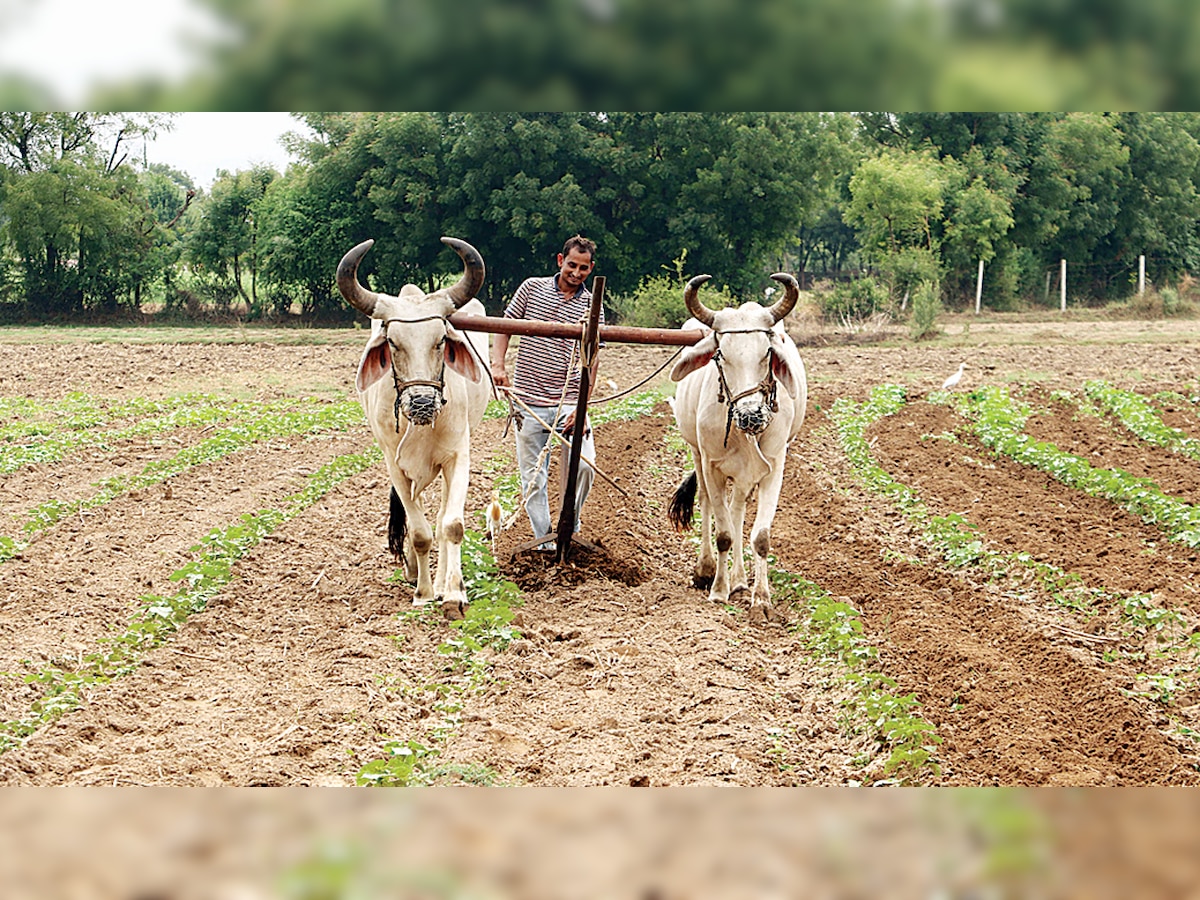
(574, 269)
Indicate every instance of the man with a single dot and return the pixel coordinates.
(546, 379)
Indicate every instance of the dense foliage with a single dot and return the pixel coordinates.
(915, 200)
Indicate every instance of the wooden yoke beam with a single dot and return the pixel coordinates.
(617, 334)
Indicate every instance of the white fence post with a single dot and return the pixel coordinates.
(979, 288)
(1062, 289)
(1141, 274)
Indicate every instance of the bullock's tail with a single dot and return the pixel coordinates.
(397, 525)
(683, 504)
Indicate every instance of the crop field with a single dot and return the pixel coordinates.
(995, 585)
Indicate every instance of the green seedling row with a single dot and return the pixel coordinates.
(485, 630)
(997, 420)
(959, 543)
(1137, 414)
(185, 411)
(58, 443)
(266, 424)
(199, 581)
(81, 412)
(833, 629)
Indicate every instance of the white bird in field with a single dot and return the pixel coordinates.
(955, 378)
(495, 519)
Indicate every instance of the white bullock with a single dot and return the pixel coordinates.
(424, 388)
(741, 399)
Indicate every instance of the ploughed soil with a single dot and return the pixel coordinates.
(304, 668)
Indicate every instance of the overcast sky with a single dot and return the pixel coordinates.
(202, 142)
(82, 35)
(69, 45)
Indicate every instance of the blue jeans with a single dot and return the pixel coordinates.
(531, 438)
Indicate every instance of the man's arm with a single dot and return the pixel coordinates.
(499, 351)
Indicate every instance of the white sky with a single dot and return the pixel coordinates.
(69, 45)
(202, 142)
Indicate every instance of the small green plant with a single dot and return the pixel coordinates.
(1159, 688)
(926, 308)
(957, 539)
(833, 629)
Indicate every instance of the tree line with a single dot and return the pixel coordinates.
(88, 229)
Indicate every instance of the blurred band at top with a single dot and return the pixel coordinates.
(674, 54)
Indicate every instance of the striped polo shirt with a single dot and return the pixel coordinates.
(543, 362)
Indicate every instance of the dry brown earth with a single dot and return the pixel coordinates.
(300, 671)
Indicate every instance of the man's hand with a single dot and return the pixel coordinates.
(568, 425)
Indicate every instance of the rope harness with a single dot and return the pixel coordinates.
(439, 385)
(766, 387)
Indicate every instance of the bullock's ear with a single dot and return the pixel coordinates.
(787, 366)
(376, 360)
(459, 357)
(694, 357)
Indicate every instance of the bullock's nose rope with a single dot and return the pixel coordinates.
(438, 385)
(766, 387)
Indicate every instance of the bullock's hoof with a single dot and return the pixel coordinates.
(454, 610)
(703, 580)
(766, 614)
(736, 592)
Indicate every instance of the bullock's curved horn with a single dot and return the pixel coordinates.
(694, 306)
(347, 280)
(787, 302)
(473, 271)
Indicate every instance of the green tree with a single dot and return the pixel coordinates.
(1070, 201)
(222, 239)
(306, 224)
(76, 214)
(896, 202)
(979, 216)
(1159, 203)
(558, 54)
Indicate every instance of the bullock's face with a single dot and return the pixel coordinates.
(748, 352)
(745, 361)
(415, 349)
